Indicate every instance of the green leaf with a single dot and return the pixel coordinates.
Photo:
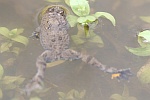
(21, 39)
(16, 50)
(1, 71)
(35, 98)
(96, 39)
(107, 16)
(10, 86)
(5, 32)
(61, 94)
(72, 20)
(90, 18)
(145, 18)
(19, 31)
(116, 97)
(81, 20)
(144, 73)
(77, 40)
(12, 79)
(80, 7)
(141, 51)
(13, 32)
(87, 19)
(145, 34)
(1, 93)
(53, 0)
(5, 46)
(69, 95)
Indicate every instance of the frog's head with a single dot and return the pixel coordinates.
(57, 10)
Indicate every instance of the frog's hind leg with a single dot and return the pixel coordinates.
(37, 81)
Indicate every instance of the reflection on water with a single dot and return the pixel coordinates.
(77, 75)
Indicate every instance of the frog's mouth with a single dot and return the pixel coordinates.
(49, 9)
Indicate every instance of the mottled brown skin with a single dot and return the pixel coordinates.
(55, 41)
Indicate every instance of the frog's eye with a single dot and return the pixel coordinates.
(61, 12)
(51, 9)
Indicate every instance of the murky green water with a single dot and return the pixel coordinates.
(77, 75)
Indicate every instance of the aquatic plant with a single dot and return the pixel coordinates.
(144, 74)
(83, 19)
(10, 37)
(144, 42)
(124, 96)
(9, 82)
(72, 95)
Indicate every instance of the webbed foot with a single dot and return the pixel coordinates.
(122, 74)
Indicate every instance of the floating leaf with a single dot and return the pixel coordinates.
(1, 71)
(21, 39)
(1, 93)
(107, 16)
(77, 40)
(141, 51)
(10, 86)
(4, 31)
(145, 18)
(144, 73)
(55, 63)
(145, 34)
(5, 46)
(87, 19)
(80, 7)
(72, 20)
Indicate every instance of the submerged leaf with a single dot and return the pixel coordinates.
(145, 18)
(53, 0)
(72, 20)
(61, 94)
(106, 15)
(19, 31)
(141, 51)
(5, 32)
(77, 40)
(35, 98)
(21, 39)
(55, 63)
(144, 73)
(116, 97)
(12, 79)
(16, 50)
(5, 46)
(80, 7)
(96, 39)
(1, 71)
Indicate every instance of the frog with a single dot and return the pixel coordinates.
(55, 40)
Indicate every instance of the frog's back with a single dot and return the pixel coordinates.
(53, 29)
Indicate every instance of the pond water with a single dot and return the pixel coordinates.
(76, 74)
